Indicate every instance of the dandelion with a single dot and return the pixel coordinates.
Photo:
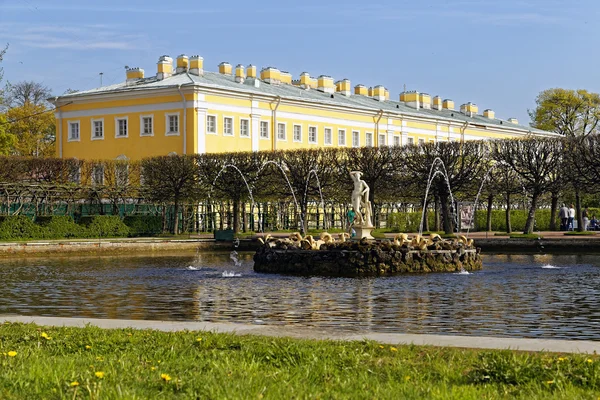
(381, 347)
(590, 360)
(12, 353)
(393, 349)
(550, 382)
(45, 336)
(199, 339)
(87, 347)
(99, 374)
(561, 359)
(165, 377)
(74, 383)
(152, 368)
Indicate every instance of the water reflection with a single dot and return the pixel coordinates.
(513, 296)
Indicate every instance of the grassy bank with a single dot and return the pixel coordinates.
(93, 363)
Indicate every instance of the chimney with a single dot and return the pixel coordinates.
(387, 94)
(182, 63)
(134, 74)
(370, 91)
(225, 68)
(165, 67)
(425, 100)
(489, 114)
(325, 84)
(270, 75)
(513, 121)
(448, 104)
(240, 73)
(379, 93)
(469, 109)
(286, 77)
(361, 90)
(251, 76)
(437, 103)
(343, 87)
(196, 65)
(411, 99)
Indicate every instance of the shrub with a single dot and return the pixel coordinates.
(59, 227)
(16, 227)
(143, 225)
(105, 226)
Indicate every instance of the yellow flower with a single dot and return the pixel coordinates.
(393, 349)
(381, 347)
(99, 374)
(152, 368)
(561, 359)
(165, 377)
(550, 382)
(74, 383)
(87, 346)
(590, 360)
(199, 339)
(45, 336)
(407, 378)
(12, 353)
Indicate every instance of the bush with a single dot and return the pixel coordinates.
(16, 227)
(143, 225)
(59, 227)
(104, 226)
(407, 221)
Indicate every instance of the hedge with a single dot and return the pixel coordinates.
(100, 226)
(143, 225)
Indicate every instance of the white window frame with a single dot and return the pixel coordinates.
(69, 137)
(410, 140)
(93, 122)
(284, 139)
(95, 169)
(142, 133)
(294, 133)
(168, 125)
(216, 131)
(339, 136)
(225, 117)
(260, 126)
(420, 141)
(379, 141)
(247, 135)
(357, 138)
(316, 134)
(369, 135)
(330, 141)
(397, 141)
(117, 119)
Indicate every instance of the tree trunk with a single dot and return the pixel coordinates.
(244, 218)
(236, 216)
(578, 210)
(446, 217)
(508, 224)
(164, 218)
(437, 214)
(176, 216)
(553, 209)
(531, 216)
(425, 219)
(490, 204)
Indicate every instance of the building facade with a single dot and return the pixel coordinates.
(183, 109)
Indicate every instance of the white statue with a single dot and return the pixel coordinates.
(360, 201)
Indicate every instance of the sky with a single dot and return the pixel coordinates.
(498, 54)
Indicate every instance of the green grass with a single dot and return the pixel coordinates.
(117, 364)
(575, 233)
(531, 236)
(502, 234)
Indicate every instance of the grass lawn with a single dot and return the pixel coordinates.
(91, 363)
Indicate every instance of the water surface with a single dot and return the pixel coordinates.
(536, 296)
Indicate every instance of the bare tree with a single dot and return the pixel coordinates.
(27, 92)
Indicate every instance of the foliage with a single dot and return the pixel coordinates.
(34, 127)
(105, 226)
(70, 362)
(19, 227)
(7, 140)
(60, 227)
(567, 112)
(143, 225)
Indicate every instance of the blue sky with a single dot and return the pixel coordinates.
(497, 54)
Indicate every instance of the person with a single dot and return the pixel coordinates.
(593, 223)
(563, 214)
(351, 216)
(571, 225)
(585, 218)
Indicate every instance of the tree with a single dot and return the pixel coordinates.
(567, 112)
(34, 128)
(2, 53)
(7, 139)
(27, 92)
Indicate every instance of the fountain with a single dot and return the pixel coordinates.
(364, 256)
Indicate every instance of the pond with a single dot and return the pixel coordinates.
(535, 296)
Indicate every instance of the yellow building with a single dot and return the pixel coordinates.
(183, 109)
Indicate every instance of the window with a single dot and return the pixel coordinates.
(172, 124)
(312, 134)
(244, 128)
(327, 136)
(97, 129)
(211, 124)
(74, 130)
(369, 139)
(421, 142)
(297, 133)
(411, 140)
(355, 138)
(228, 126)
(146, 125)
(121, 174)
(381, 140)
(75, 174)
(264, 129)
(280, 131)
(98, 175)
(396, 140)
(341, 137)
(121, 127)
